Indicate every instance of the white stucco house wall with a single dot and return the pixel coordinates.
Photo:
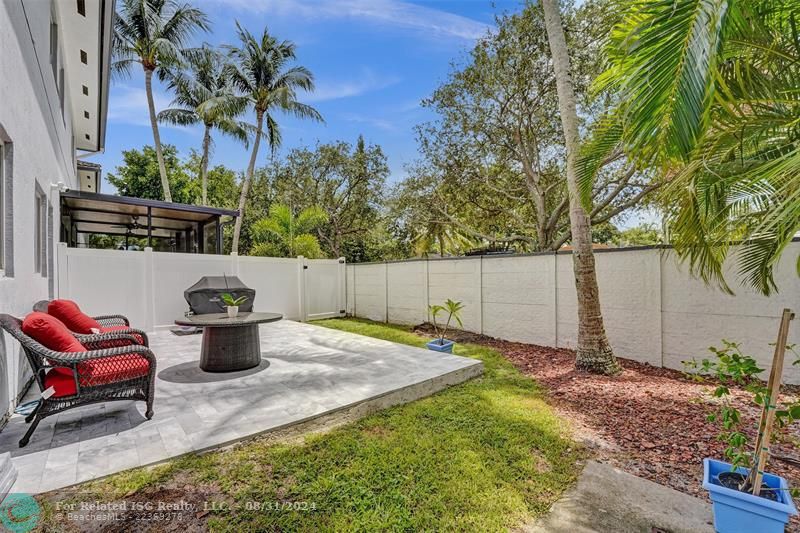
(54, 82)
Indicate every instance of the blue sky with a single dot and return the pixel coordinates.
(373, 61)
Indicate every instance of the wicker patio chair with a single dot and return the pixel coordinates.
(106, 321)
(89, 388)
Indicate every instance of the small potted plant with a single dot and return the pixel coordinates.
(745, 497)
(233, 304)
(453, 310)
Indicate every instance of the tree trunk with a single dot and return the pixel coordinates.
(248, 177)
(594, 352)
(162, 168)
(204, 164)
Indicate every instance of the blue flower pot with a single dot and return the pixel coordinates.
(741, 512)
(446, 347)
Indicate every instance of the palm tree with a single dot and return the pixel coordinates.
(205, 95)
(594, 352)
(260, 71)
(708, 94)
(153, 33)
(283, 234)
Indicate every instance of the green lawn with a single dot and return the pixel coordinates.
(483, 456)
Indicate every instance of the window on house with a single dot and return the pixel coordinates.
(40, 238)
(54, 48)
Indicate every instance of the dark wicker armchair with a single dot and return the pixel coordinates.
(123, 376)
(107, 321)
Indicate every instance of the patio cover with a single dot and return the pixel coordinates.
(85, 213)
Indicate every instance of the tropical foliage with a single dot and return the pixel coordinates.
(708, 95)
(284, 234)
(153, 34)
(205, 95)
(261, 69)
(492, 169)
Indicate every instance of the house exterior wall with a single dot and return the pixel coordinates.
(37, 134)
(654, 311)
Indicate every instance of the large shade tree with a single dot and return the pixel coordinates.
(205, 95)
(346, 181)
(709, 96)
(594, 352)
(262, 71)
(153, 34)
(493, 159)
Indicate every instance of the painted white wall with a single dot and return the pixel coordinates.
(148, 286)
(40, 137)
(655, 312)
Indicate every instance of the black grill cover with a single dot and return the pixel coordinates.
(205, 296)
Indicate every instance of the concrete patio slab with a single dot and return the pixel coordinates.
(608, 499)
(309, 374)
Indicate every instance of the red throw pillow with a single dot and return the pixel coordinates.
(70, 314)
(51, 333)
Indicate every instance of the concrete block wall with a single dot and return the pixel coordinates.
(655, 312)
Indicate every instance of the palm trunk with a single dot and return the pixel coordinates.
(251, 167)
(162, 168)
(594, 352)
(204, 164)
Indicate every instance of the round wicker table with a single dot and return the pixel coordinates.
(229, 344)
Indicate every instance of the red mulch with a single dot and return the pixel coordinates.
(648, 421)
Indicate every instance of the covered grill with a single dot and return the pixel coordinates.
(205, 296)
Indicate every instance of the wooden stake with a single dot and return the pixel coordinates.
(768, 412)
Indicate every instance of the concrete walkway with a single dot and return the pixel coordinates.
(607, 499)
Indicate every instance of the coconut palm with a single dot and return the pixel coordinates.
(261, 71)
(284, 234)
(709, 95)
(153, 33)
(204, 95)
(593, 352)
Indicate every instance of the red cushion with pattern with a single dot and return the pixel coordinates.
(51, 333)
(70, 314)
(97, 372)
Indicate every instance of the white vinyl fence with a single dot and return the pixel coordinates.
(148, 286)
(654, 311)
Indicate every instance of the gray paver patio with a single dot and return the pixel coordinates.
(307, 372)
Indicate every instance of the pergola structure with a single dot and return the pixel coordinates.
(161, 225)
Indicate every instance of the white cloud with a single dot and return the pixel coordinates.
(433, 22)
(372, 121)
(335, 89)
(128, 105)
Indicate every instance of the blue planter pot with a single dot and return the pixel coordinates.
(447, 347)
(741, 512)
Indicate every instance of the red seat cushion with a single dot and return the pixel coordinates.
(62, 382)
(70, 314)
(97, 372)
(51, 333)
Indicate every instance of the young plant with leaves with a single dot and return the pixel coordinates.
(453, 310)
(731, 367)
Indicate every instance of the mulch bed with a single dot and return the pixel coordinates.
(648, 421)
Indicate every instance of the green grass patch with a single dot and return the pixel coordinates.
(485, 455)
